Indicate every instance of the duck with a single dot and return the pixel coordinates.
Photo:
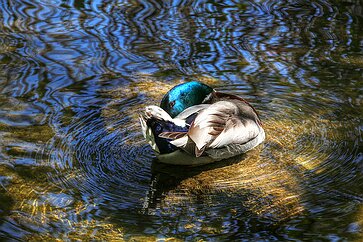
(196, 125)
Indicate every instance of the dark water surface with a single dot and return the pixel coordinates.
(73, 162)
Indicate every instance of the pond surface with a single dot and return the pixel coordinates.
(75, 74)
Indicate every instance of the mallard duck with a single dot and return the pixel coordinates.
(195, 125)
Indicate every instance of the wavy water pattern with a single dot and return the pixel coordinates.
(75, 74)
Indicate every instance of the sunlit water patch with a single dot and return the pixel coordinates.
(103, 169)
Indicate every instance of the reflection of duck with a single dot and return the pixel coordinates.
(197, 125)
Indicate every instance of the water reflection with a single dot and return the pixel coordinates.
(74, 74)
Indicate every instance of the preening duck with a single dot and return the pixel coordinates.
(196, 125)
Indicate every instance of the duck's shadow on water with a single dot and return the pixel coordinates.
(166, 177)
(247, 183)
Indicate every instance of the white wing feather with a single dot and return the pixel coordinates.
(236, 132)
(221, 124)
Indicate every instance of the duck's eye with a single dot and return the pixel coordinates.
(171, 104)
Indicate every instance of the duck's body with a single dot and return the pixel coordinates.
(209, 128)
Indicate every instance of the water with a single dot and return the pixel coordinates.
(74, 75)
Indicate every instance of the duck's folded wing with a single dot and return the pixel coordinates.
(181, 140)
(237, 131)
(235, 149)
(191, 110)
(221, 124)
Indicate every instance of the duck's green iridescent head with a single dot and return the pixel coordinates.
(184, 96)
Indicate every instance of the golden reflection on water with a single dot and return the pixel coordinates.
(87, 230)
(38, 203)
(359, 219)
(270, 176)
(268, 187)
(33, 206)
(269, 179)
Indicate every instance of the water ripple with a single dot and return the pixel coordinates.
(74, 75)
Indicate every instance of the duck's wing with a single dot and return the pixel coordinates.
(181, 139)
(184, 116)
(235, 149)
(181, 119)
(223, 123)
(191, 110)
